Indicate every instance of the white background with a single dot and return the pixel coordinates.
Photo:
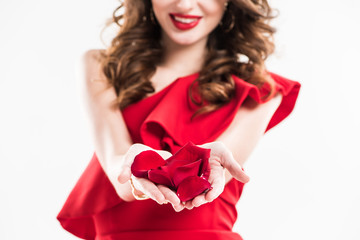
(304, 172)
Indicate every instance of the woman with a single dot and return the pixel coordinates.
(178, 71)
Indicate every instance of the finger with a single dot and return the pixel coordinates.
(217, 185)
(169, 195)
(149, 189)
(199, 200)
(125, 170)
(234, 168)
(189, 205)
(125, 174)
(127, 161)
(179, 207)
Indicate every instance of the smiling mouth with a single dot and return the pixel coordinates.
(184, 22)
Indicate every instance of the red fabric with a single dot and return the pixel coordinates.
(163, 121)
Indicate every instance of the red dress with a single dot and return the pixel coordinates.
(93, 210)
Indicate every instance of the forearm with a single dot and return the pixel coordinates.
(247, 128)
(111, 140)
(111, 145)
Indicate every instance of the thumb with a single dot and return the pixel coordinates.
(125, 174)
(125, 168)
(234, 168)
(127, 160)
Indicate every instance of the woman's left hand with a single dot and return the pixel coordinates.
(220, 159)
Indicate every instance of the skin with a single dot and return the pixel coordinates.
(184, 51)
(211, 12)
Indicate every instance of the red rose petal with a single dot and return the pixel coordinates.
(188, 170)
(173, 165)
(160, 176)
(190, 152)
(145, 161)
(192, 187)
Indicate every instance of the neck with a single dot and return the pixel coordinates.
(184, 59)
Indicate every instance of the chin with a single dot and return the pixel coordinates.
(185, 40)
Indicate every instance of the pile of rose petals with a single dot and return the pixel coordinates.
(186, 172)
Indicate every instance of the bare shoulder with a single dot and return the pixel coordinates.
(92, 55)
(91, 67)
(92, 76)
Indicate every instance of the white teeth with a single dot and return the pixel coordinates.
(185, 20)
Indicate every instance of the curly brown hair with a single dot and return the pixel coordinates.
(135, 52)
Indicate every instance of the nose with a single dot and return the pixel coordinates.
(185, 5)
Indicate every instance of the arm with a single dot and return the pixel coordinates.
(232, 148)
(113, 144)
(247, 128)
(110, 136)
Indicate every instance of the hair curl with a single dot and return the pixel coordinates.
(131, 59)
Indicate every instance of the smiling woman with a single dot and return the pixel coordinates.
(185, 53)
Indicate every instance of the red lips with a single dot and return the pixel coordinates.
(186, 172)
(184, 22)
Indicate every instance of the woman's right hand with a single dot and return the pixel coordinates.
(159, 193)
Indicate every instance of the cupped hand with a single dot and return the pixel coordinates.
(159, 193)
(220, 159)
